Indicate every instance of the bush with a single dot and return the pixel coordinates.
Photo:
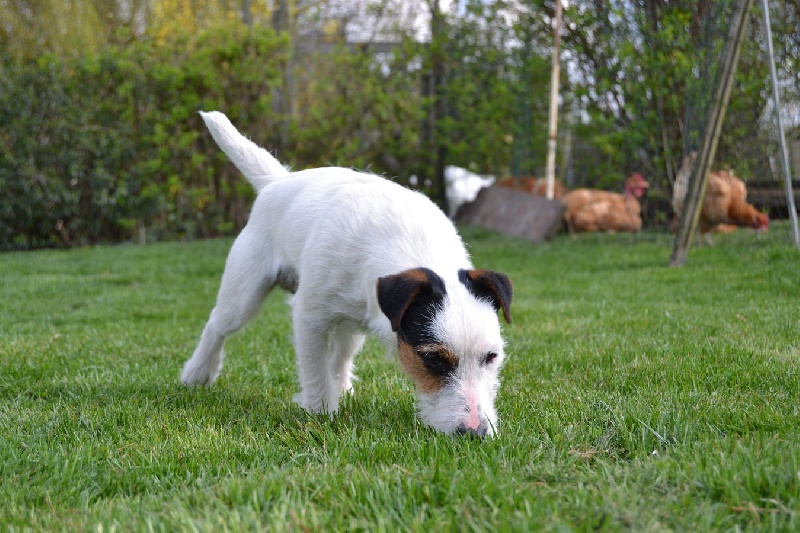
(110, 147)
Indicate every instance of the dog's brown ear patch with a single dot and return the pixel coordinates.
(494, 286)
(418, 286)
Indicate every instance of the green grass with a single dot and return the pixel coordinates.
(635, 396)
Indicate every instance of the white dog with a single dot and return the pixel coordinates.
(361, 254)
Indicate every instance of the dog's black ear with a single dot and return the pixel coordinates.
(398, 292)
(494, 286)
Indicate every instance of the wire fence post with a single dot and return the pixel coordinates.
(787, 173)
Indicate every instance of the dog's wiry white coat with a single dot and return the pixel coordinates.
(331, 233)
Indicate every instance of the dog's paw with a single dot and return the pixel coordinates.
(315, 406)
(198, 375)
(300, 401)
(312, 407)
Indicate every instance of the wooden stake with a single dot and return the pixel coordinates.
(698, 180)
(554, 84)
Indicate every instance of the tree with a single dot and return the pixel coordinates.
(641, 73)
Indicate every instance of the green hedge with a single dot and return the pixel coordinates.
(110, 147)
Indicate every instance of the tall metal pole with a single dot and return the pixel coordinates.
(787, 174)
(554, 83)
(698, 179)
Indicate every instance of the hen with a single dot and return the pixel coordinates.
(725, 201)
(596, 210)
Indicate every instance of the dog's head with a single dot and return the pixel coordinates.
(449, 343)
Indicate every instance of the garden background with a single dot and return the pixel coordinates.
(101, 140)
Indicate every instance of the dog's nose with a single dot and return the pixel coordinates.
(472, 433)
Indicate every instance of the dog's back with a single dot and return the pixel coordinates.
(338, 205)
(356, 227)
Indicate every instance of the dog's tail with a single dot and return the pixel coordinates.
(258, 165)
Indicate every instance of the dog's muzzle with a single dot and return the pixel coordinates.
(478, 433)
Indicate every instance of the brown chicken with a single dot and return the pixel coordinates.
(534, 186)
(725, 201)
(596, 210)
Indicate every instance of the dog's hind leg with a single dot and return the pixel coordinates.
(206, 362)
(245, 283)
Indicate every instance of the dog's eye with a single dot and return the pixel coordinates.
(491, 356)
(436, 362)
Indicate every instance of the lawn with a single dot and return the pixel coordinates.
(635, 396)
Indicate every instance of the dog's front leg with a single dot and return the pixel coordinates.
(311, 349)
(325, 355)
(344, 345)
